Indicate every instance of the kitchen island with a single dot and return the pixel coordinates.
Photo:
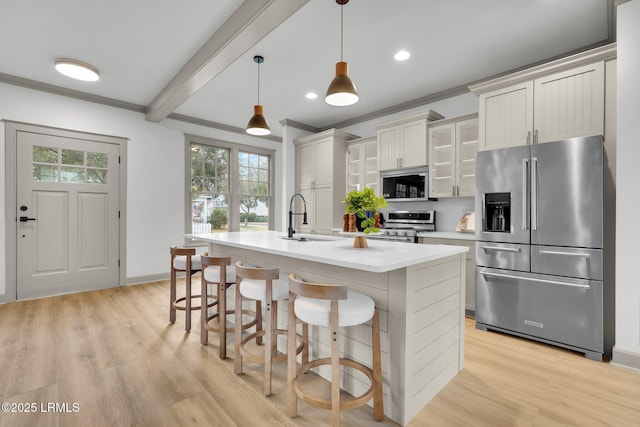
(418, 290)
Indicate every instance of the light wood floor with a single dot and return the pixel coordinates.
(115, 353)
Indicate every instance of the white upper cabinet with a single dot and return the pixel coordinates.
(320, 178)
(559, 100)
(362, 165)
(402, 143)
(452, 147)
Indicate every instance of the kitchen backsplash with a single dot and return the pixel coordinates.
(448, 211)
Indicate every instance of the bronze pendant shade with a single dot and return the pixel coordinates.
(258, 124)
(342, 91)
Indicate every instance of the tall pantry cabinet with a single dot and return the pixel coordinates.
(320, 178)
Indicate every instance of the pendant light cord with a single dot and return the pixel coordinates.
(258, 83)
(341, 31)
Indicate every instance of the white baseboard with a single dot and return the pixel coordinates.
(626, 359)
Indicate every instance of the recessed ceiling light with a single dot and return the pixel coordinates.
(311, 95)
(77, 69)
(402, 55)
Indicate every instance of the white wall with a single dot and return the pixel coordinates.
(627, 344)
(155, 175)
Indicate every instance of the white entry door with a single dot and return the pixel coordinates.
(68, 215)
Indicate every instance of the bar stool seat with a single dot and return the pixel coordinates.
(355, 310)
(333, 307)
(256, 290)
(214, 268)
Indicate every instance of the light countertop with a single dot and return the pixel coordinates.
(381, 255)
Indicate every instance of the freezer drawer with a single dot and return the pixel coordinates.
(510, 256)
(567, 311)
(569, 262)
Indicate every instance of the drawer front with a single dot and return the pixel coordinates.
(569, 262)
(566, 311)
(510, 256)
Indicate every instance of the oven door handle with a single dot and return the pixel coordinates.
(531, 279)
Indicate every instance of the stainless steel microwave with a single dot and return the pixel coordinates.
(403, 185)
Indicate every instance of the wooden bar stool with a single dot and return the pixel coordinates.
(265, 286)
(333, 307)
(221, 273)
(183, 259)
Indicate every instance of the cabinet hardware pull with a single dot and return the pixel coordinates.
(528, 137)
(535, 136)
(578, 254)
(498, 248)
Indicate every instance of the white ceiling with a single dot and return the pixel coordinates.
(140, 45)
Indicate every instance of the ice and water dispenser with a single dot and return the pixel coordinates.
(497, 208)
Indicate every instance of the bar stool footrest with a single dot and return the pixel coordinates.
(178, 304)
(346, 403)
(213, 328)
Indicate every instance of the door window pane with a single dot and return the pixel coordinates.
(45, 155)
(45, 173)
(71, 174)
(97, 160)
(72, 157)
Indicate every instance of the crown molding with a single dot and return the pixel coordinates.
(70, 93)
(299, 125)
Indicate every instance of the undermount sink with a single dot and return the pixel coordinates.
(310, 238)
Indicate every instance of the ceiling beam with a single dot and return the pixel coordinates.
(249, 24)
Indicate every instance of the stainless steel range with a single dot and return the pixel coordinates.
(404, 226)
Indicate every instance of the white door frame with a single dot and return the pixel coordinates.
(11, 130)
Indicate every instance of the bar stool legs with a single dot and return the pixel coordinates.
(183, 259)
(263, 285)
(218, 272)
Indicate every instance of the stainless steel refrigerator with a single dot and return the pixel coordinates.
(539, 257)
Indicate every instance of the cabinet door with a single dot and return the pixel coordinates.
(371, 176)
(323, 221)
(389, 148)
(414, 143)
(442, 154)
(323, 159)
(570, 104)
(305, 165)
(355, 167)
(506, 117)
(466, 148)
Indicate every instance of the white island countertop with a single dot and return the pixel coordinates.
(381, 256)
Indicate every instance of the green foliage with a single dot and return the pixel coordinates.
(218, 218)
(361, 202)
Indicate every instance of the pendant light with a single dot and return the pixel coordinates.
(258, 124)
(341, 91)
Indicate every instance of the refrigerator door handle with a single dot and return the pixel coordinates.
(534, 193)
(525, 173)
(530, 279)
(578, 254)
(497, 248)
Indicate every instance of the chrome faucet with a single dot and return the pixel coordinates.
(291, 214)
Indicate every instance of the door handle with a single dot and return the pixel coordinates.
(525, 205)
(577, 254)
(531, 279)
(25, 219)
(497, 248)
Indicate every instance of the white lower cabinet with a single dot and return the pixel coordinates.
(470, 294)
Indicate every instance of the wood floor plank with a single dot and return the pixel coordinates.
(114, 352)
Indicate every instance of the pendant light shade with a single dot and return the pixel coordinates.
(342, 91)
(258, 124)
